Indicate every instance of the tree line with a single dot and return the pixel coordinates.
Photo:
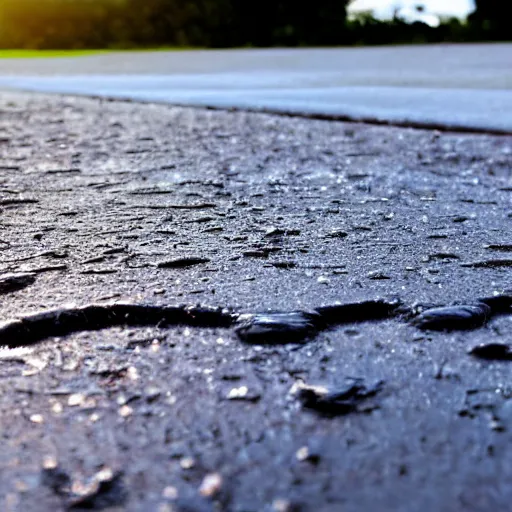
(77, 24)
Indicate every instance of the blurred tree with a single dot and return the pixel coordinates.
(288, 22)
(491, 19)
(57, 23)
(224, 23)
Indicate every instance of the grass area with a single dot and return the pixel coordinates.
(41, 54)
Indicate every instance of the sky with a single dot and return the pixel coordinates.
(384, 8)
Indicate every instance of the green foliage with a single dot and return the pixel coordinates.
(85, 24)
(41, 54)
(491, 20)
(366, 30)
(57, 23)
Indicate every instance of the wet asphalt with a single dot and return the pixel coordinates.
(106, 202)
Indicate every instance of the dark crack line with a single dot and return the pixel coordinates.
(361, 119)
(260, 328)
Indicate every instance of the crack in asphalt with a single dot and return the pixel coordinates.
(260, 328)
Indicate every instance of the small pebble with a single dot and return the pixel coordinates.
(57, 408)
(76, 399)
(132, 373)
(37, 418)
(497, 426)
(237, 393)
(125, 411)
(104, 475)
(282, 505)
(211, 485)
(302, 454)
(170, 493)
(50, 462)
(187, 463)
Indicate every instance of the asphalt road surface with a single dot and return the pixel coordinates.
(444, 86)
(147, 408)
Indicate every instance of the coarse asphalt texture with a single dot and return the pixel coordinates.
(104, 201)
